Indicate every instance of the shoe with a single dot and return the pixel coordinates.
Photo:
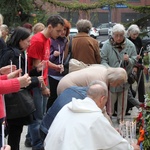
(38, 148)
(128, 114)
(27, 143)
(114, 114)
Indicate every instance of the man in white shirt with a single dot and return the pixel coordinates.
(80, 125)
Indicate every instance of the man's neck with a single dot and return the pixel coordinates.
(45, 33)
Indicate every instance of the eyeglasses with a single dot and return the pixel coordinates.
(118, 35)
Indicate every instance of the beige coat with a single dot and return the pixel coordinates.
(83, 77)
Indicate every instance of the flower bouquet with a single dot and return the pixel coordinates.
(143, 125)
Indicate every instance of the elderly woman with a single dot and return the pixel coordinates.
(84, 47)
(133, 35)
(118, 51)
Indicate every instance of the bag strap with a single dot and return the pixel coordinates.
(70, 44)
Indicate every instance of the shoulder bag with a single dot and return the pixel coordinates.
(19, 104)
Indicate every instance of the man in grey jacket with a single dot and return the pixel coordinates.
(118, 51)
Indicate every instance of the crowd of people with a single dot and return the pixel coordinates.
(73, 110)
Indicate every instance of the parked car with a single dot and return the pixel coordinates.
(93, 32)
(146, 42)
(73, 32)
(105, 28)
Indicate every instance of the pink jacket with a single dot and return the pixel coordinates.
(7, 86)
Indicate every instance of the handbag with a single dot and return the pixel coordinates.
(69, 56)
(19, 104)
(75, 65)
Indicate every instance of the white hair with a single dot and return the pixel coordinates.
(133, 29)
(118, 28)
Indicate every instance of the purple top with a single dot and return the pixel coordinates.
(57, 45)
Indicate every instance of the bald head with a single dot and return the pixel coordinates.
(97, 89)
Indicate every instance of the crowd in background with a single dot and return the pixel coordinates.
(48, 46)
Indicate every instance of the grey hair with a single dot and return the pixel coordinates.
(133, 29)
(84, 25)
(118, 28)
(96, 89)
(115, 74)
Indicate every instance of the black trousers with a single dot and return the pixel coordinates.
(53, 91)
(14, 136)
(141, 86)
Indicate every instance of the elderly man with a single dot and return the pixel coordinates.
(83, 126)
(118, 51)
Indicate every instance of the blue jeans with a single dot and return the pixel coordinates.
(40, 102)
(64, 98)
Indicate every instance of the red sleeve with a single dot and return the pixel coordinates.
(3, 77)
(9, 86)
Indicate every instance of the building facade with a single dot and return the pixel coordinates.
(118, 14)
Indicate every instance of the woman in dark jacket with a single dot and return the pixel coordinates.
(133, 35)
(15, 52)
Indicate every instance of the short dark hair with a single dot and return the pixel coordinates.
(20, 33)
(54, 20)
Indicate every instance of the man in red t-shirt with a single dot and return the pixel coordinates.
(38, 51)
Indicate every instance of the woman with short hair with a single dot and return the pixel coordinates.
(133, 35)
(84, 47)
(118, 51)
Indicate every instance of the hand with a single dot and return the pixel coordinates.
(6, 147)
(58, 68)
(24, 80)
(138, 57)
(40, 78)
(14, 74)
(126, 57)
(56, 53)
(135, 146)
(46, 92)
(41, 65)
(7, 69)
(62, 68)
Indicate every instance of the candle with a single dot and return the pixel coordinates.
(3, 126)
(130, 132)
(11, 66)
(62, 61)
(140, 50)
(59, 53)
(121, 128)
(42, 72)
(127, 130)
(26, 62)
(19, 64)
